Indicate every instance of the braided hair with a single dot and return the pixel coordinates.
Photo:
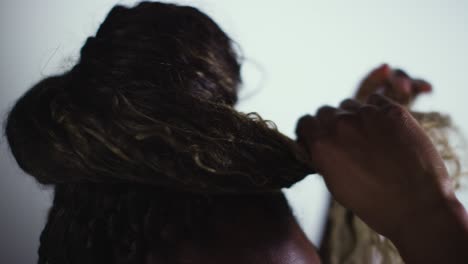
(140, 133)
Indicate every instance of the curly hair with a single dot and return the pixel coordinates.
(143, 125)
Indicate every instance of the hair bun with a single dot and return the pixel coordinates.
(151, 101)
(31, 121)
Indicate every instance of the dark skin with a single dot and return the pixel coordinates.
(385, 158)
(250, 229)
(389, 174)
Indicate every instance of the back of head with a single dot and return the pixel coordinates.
(147, 110)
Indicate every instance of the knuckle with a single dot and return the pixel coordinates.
(348, 102)
(367, 112)
(345, 120)
(326, 110)
(304, 123)
(345, 123)
(395, 111)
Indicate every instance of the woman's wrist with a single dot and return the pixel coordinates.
(439, 236)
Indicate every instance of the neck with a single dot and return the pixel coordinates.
(256, 228)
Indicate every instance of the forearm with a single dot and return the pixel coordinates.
(441, 237)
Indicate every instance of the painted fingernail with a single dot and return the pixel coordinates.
(425, 88)
(384, 70)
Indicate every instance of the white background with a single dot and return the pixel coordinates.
(300, 55)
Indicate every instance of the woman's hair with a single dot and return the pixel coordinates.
(146, 111)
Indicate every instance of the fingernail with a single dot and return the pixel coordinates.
(426, 88)
(384, 70)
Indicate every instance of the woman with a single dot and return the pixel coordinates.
(152, 164)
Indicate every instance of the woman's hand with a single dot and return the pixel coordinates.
(377, 161)
(393, 83)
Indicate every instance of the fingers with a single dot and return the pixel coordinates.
(311, 128)
(421, 86)
(350, 105)
(374, 81)
(395, 84)
(349, 118)
(308, 129)
(392, 112)
(400, 73)
(401, 82)
(309, 137)
(336, 119)
(379, 100)
(326, 115)
(403, 89)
